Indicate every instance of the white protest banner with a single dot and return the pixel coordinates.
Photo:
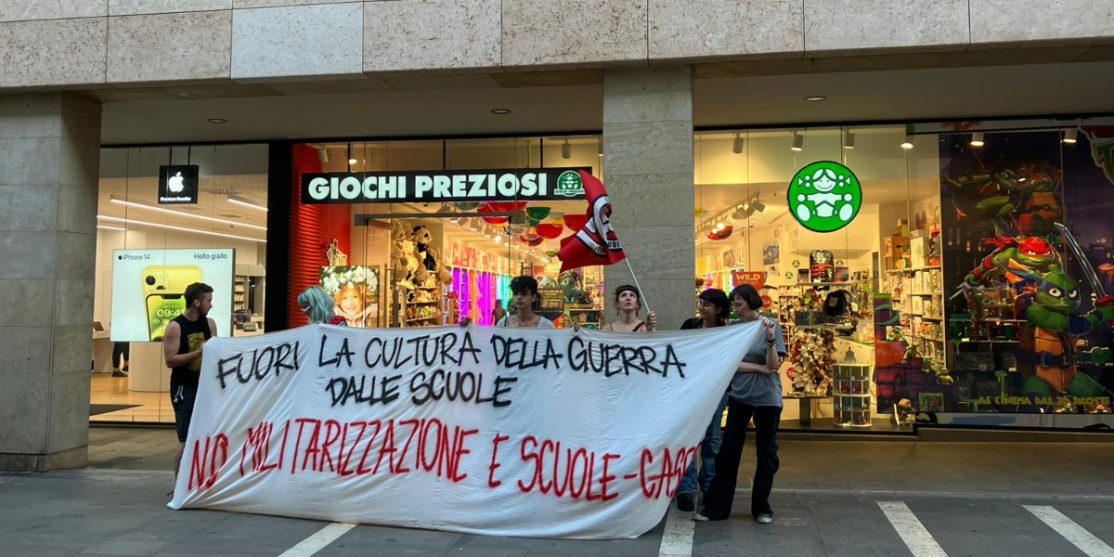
(505, 432)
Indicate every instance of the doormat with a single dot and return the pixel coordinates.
(95, 409)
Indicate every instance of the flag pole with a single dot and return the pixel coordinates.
(641, 293)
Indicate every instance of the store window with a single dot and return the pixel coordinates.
(957, 273)
(167, 217)
(400, 252)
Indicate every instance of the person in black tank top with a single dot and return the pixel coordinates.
(181, 346)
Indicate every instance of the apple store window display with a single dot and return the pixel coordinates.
(920, 273)
(427, 232)
(167, 217)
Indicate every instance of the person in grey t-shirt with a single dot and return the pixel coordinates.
(755, 392)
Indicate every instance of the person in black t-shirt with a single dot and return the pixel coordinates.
(714, 309)
(181, 346)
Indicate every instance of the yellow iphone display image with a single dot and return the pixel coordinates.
(164, 288)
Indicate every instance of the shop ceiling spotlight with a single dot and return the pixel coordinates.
(977, 139)
(907, 143)
(178, 228)
(848, 140)
(119, 201)
(323, 155)
(236, 200)
(599, 150)
(566, 150)
(352, 161)
(1070, 136)
(798, 142)
(737, 148)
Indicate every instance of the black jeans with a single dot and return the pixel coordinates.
(721, 494)
(120, 349)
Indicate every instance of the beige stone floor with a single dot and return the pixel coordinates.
(152, 407)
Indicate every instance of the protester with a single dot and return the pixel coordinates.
(713, 309)
(181, 347)
(755, 392)
(319, 307)
(629, 302)
(525, 300)
(498, 312)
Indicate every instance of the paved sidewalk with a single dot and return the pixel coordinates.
(831, 498)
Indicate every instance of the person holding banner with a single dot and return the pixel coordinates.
(319, 306)
(181, 345)
(755, 392)
(525, 298)
(629, 302)
(713, 309)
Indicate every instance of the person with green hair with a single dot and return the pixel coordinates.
(319, 306)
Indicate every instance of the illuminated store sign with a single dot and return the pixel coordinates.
(825, 196)
(522, 184)
(178, 184)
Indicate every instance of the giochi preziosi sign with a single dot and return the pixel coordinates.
(825, 196)
(520, 184)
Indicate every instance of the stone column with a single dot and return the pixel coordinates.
(648, 171)
(49, 161)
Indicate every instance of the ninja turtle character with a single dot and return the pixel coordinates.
(1031, 255)
(1049, 339)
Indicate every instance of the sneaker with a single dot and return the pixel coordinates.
(699, 517)
(763, 519)
(686, 502)
(118, 373)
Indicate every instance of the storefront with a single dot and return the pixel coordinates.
(919, 272)
(455, 221)
(952, 278)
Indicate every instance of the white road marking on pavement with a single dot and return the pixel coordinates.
(318, 540)
(1074, 533)
(912, 532)
(676, 540)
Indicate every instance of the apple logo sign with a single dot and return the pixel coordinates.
(174, 183)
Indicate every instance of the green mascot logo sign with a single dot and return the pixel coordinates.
(825, 196)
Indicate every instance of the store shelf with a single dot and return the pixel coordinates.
(931, 318)
(989, 341)
(423, 303)
(847, 283)
(415, 320)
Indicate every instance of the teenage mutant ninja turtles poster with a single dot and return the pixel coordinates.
(1027, 229)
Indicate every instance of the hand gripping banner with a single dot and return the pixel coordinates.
(504, 432)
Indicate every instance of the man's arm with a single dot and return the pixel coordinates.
(212, 327)
(170, 340)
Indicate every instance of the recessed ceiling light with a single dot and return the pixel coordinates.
(217, 121)
(815, 98)
(352, 161)
(500, 111)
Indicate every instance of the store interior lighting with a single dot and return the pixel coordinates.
(848, 140)
(323, 155)
(1070, 135)
(798, 142)
(135, 222)
(599, 151)
(977, 139)
(237, 200)
(119, 201)
(737, 148)
(566, 150)
(907, 143)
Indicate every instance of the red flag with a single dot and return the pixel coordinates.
(595, 243)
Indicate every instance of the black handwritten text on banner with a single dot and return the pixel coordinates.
(491, 431)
